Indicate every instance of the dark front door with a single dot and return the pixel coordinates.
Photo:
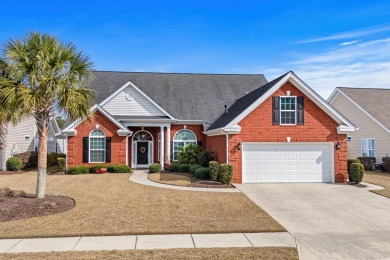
(142, 153)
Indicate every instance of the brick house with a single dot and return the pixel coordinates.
(280, 131)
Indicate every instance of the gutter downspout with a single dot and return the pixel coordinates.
(227, 147)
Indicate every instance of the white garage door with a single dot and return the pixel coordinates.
(287, 162)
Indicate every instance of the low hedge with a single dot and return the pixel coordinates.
(119, 168)
(174, 167)
(194, 167)
(225, 173)
(214, 167)
(202, 173)
(29, 159)
(368, 162)
(81, 169)
(357, 172)
(14, 164)
(386, 164)
(61, 164)
(155, 167)
(184, 167)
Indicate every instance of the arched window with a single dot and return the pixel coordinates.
(142, 136)
(97, 146)
(182, 138)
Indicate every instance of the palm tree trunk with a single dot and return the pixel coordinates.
(42, 161)
(3, 144)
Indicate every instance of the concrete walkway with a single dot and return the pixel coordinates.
(280, 239)
(329, 221)
(141, 177)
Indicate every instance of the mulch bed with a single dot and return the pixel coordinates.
(359, 185)
(209, 184)
(12, 172)
(13, 208)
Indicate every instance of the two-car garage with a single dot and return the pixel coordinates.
(287, 162)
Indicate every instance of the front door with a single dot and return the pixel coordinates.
(142, 153)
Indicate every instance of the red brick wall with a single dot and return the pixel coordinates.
(258, 127)
(217, 144)
(75, 143)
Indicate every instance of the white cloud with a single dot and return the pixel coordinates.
(349, 43)
(351, 34)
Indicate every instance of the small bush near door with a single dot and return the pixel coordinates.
(95, 167)
(213, 170)
(174, 167)
(357, 172)
(349, 162)
(61, 164)
(14, 164)
(226, 173)
(189, 154)
(205, 157)
(368, 162)
(202, 173)
(155, 167)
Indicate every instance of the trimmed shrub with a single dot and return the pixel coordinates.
(174, 167)
(119, 168)
(95, 167)
(349, 161)
(61, 164)
(189, 154)
(184, 167)
(226, 173)
(357, 172)
(202, 173)
(29, 159)
(14, 164)
(61, 155)
(386, 164)
(205, 157)
(213, 170)
(194, 167)
(155, 167)
(81, 169)
(368, 162)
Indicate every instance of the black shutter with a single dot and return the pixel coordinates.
(85, 149)
(276, 110)
(300, 114)
(108, 149)
(199, 143)
(171, 151)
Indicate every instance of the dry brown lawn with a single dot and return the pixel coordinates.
(110, 204)
(214, 253)
(382, 179)
(178, 179)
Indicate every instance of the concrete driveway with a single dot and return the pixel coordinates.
(329, 221)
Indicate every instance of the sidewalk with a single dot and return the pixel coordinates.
(141, 177)
(278, 239)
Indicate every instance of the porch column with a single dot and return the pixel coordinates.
(168, 143)
(162, 148)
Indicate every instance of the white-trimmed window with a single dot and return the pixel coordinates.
(288, 109)
(368, 147)
(181, 139)
(97, 146)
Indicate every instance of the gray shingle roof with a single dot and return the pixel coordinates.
(185, 96)
(243, 103)
(374, 101)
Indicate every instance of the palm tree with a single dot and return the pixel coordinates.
(45, 77)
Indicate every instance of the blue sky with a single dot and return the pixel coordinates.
(327, 43)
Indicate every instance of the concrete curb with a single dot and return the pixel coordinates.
(141, 177)
(61, 244)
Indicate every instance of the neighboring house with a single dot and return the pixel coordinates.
(24, 137)
(281, 131)
(368, 109)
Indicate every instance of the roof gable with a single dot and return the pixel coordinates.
(372, 101)
(246, 105)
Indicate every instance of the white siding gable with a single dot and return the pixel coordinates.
(138, 106)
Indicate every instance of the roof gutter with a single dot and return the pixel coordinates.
(233, 130)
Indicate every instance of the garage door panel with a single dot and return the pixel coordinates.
(291, 162)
